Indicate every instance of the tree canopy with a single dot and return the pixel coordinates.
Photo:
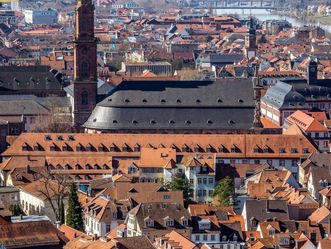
(16, 210)
(179, 183)
(74, 217)
(224, 191)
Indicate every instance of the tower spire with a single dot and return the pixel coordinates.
(85, 62)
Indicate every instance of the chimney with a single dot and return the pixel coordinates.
(267, 206)
(95, 237)
(57, 224)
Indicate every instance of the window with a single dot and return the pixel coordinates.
(204, 180)
(212, 237)
(293, 150)
(84, 69)
(205, 237)
(197, 237)
(199, 181)
(305, 150)
(281, 162)
(204, 192)
(84, 97)
(210, 193)
(294, 163)
(281, 150)
(108, 228)
(257, 161)
(210, 181)
(325, 144)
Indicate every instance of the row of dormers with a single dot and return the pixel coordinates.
(126, 148)
(167, 222)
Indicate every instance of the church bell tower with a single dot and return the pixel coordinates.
(250, 40)
(85, 63)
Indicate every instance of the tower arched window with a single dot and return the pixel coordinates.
(84, 96)
(84, 69)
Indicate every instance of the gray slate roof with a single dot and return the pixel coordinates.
(30, 104)
(28, 77)
(222, 104)
(296, 93)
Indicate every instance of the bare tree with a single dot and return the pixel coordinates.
(54, 188)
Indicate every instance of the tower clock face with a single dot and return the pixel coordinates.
(312, 70)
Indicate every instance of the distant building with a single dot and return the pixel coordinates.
(9, 196)
(287, 96)
(158, 219)
(30, 231)
(136, 69)
(8, 17)
(273, 27)
(41, 16)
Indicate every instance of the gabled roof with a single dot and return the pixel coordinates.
(320, 214)
(36, 233)
(306, 122)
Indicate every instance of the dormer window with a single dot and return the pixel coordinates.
(136, 148)
(37, 147)
(53, 147)
(59, 137)
(256, 149)
(96, 166)
(67, 167)
(105, 167)
(168, 222)
(209, 148)
(78, 167)
(235, 149)
(112, 148)
(284, 241)
(282, 150)
(185, 148)
(305, 150)
(184, 221)
(222, 149)
(235, 237)
(204, 224)
(89, 147)
(87, 166)
(266, 149)
(125, 147)
(271, 231)
(196, 148)
(294, 150)
(79, 147)
(149, 222)
(66, 147)
(101, 148)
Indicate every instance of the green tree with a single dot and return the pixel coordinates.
(224, 191)
(179, 183)
(16, 210)
(74, 217)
